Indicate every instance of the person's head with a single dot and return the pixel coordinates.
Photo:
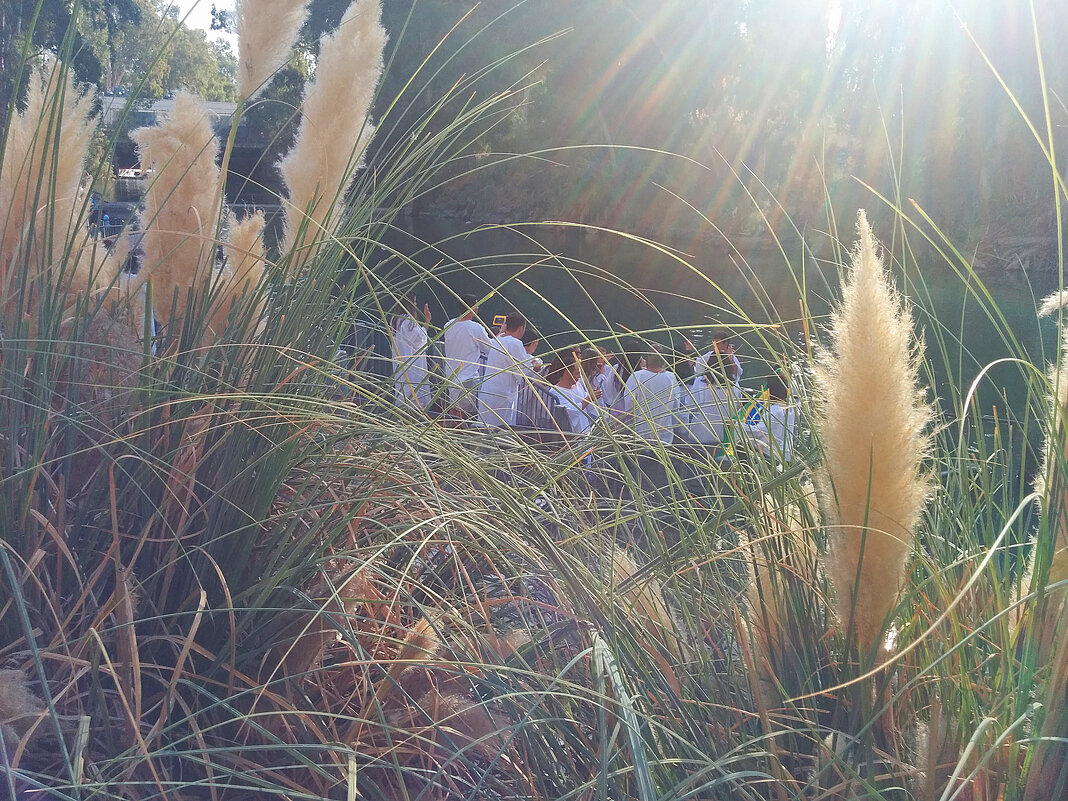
(721, 340)
(592, 362)
(530, 338)
(629, 357)
(561, 368)
(723, 366)
(654, 359)
(470, 304)
(777, 389)
(515, 325)
(406, 305)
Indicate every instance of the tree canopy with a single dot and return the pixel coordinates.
(137, 43)
(805, 101)
(44, 26)
(186, 59)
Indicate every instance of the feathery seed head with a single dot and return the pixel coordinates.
(872, 424)
(334, 130)
(1052, 303)
(182, 204)
(18, 706)
(1050, 483)
(646, 598)
(266, 32)
(42, 169)
(243, 270)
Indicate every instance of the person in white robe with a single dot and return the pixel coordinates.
(466, 342)
(651, 400)
(773, 435)
(506, 363)
(411, 374)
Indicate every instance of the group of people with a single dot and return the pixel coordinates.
(497, 380)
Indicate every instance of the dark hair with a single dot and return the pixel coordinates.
(723, 365)
(721, 335)
(514, 320)
(777, 388)
(530, 334)
(559, 363)
(407, 306)
(469, 301)
(628, 358)
(589, 357)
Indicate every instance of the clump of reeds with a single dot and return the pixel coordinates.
(783, 557)
(872, 421)
(266, 32)
(182, 204)
(334, 129)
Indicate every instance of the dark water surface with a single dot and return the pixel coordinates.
(573, 284)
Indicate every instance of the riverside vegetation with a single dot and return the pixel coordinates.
(229, 572)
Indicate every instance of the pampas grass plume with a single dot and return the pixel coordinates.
(18, 707)
(421, 644)
(646, 599)
(1058, 379)
(1047, 481)
(245, 263)
(266, 32)
(872, 423)
(42, 170)
(182, 205)
(334, 130)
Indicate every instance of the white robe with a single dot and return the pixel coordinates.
(650, 404)
(706, 407)
(411, 378)
(505, 362)
(774, 434)
(581, 420)
(465, 342)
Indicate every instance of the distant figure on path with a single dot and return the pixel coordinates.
(505, 360)
(708, 405)
(466, 342)
(411, 376)
(619, 370)
(651, 399)
(593, 370)
(721, 344)
(685, 363)
(564, 373)
(773, 435)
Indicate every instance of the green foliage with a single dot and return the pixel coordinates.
(160, 54)
(33, 26)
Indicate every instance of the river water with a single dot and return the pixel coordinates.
(574, 284)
